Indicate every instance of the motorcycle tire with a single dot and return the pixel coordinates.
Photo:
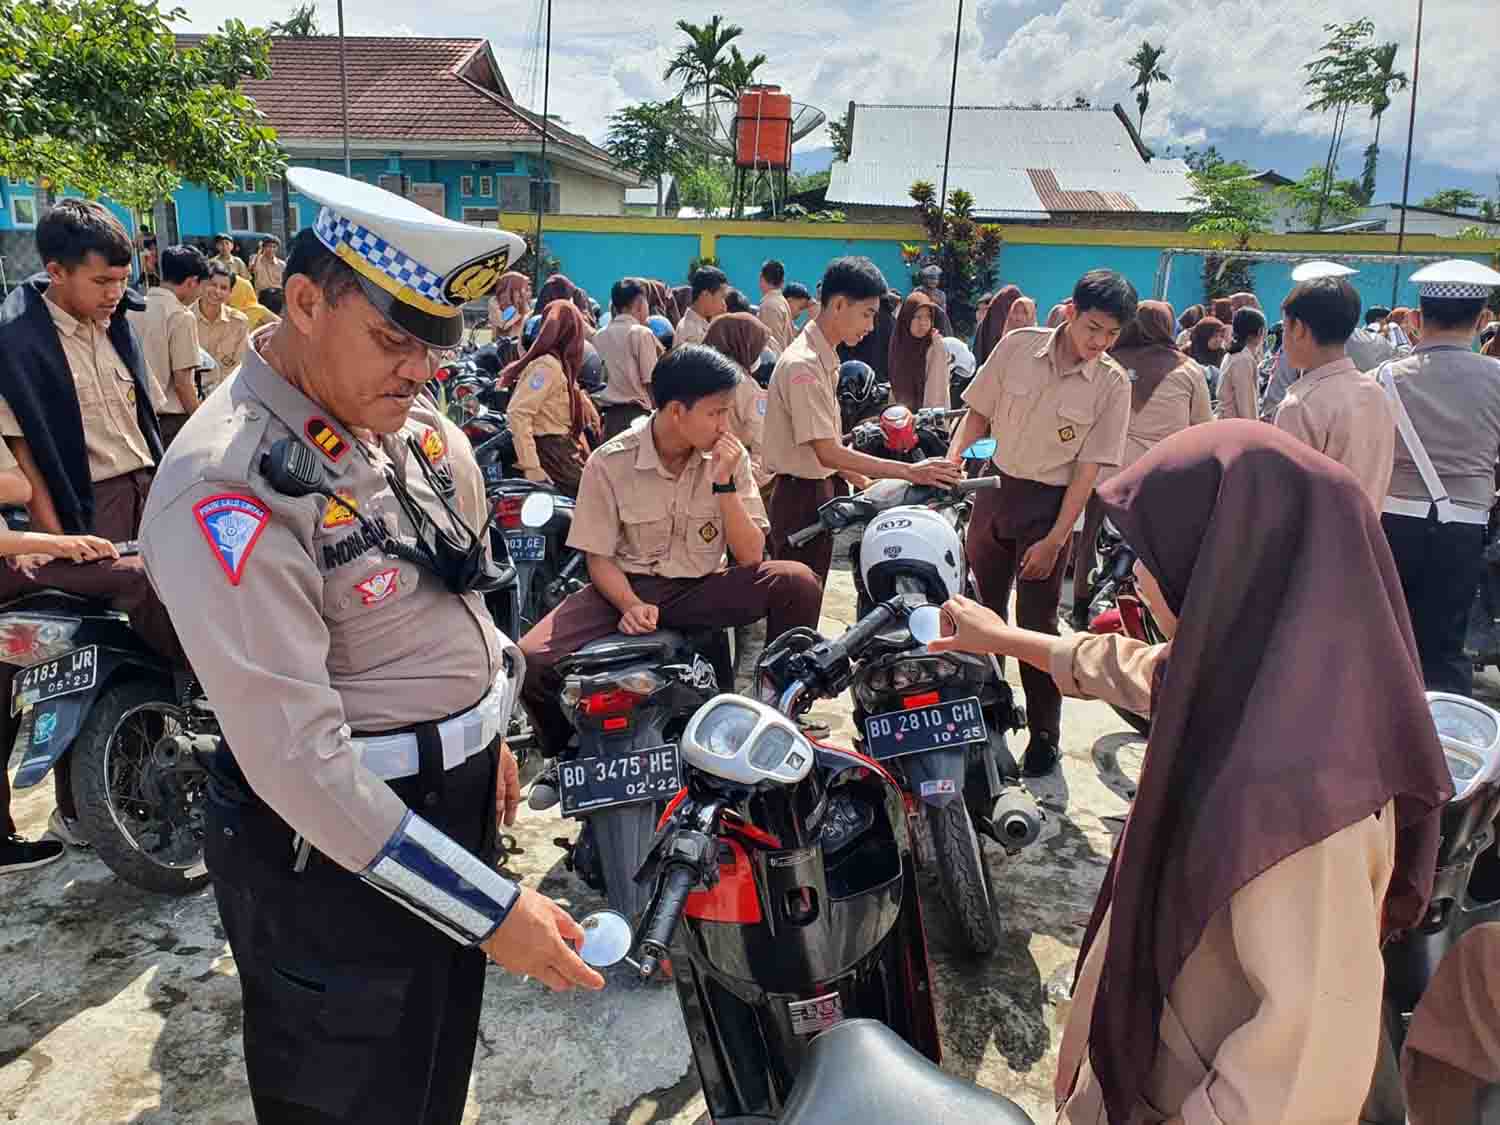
(964, 875)
(89, 757)
(1139, 723)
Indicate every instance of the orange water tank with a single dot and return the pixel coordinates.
(763, 128)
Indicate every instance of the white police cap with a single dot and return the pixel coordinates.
(1456, 279)
(416, 267)
(1307, 271)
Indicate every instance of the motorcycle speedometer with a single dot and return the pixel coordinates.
(724, 730)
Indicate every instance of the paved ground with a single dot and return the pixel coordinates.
(119, 1006)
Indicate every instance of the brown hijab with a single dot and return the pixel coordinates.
(1191, 316)
(1058, 315)
(1203, 334)
(1147, 348)
(1267, 551)
(682, 297)
(559, 288)
(992, 327)
(561, 336)
(511, 293)
(906, 366)
(1238, 301)
(659, 297)
(1223, 309)
(740, 336)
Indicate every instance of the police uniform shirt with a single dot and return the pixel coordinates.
(1046, 413)
(632, 510)
(802, 406)
(106, 399)
(630, 351)
(301, 628)
(168, 331)
(691, 329)
(1453, 398)
(226, 338)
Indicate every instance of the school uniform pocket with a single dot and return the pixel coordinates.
(704, 535)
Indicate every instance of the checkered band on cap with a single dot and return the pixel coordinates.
(1453, 290)
(333, 230)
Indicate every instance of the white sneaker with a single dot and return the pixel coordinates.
(66, 829)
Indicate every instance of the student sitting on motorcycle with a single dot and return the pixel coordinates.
(657, 507)
(1288, 813)
(548, 410)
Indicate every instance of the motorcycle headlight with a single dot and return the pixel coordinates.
(746, 742)
(899, 675)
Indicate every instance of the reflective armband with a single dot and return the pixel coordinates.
(437, 879)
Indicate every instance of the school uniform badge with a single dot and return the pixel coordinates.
(232, 523)
(1067, 433)
(378, 587)
(537, 380)
(708, 532)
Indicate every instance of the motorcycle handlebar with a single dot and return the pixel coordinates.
(964, 487)
(656, 939)
(805, 536)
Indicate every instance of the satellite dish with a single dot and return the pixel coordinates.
(714, 132)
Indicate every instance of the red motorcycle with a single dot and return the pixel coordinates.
(1116, 607)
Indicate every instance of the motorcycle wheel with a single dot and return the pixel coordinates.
(144, 819)
(964, 875)
(1139, 723)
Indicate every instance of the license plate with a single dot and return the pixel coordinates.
(526, 548)
(63, 675)
(493, 474)
(936, 727)
(591, 784)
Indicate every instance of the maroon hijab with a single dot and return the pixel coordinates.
(1200, 338)
(906, 365)
(992, 327)
(1289, 706)
(561, 336)
(1147, 348)
(682, 296)
(559, 288)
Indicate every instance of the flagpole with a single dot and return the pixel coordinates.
(958, 28)
(541, 202)
(1411, 129)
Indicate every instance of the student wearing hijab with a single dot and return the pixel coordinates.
(1238, 301)
(559, 288)
(1190, 316)
(992, 322)
(1059, 314)
(682, 297)
(1231, 972)
(1239, 374)
(1451, 1055)
(1223, 310)
(510, 305)
(1167, 394)
(918, 363)
(1022, 315)
(1204, 349)
(548, 411)
(742, 338)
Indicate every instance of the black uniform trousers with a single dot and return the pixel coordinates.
(355, 1009)
(1439, 564)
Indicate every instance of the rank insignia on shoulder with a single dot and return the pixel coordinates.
(231, 522)
(1067, 433)
(337, 514)
(321, 434)
(433, 447)
(708, 532)
(378, 587)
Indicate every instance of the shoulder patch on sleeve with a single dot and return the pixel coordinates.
(231, 522)
(537, 380)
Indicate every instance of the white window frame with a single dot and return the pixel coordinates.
(466, 186)
(15, 217)
(486, 187)
(249, 209)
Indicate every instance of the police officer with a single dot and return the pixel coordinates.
(313, 535)
(1446, 399)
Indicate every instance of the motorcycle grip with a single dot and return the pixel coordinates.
(964, 487)
(805, 536)
(676, 886)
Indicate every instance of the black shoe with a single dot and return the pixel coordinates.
(17, 854)
(1041, 756)
(546, 790)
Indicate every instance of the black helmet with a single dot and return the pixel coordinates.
(663, 329)
(856, 383)
(592, 376)
(763, 369)
(594, 309)
(529, 330)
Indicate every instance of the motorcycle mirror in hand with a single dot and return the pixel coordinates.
(606, 939)
(537, 511)
(981, 450)
(925, 624)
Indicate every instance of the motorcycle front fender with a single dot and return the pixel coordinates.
(46, 738)
(937, 777)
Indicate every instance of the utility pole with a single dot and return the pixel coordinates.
(542, 196)
(1411, 130)
(344, 92)
(958, 30)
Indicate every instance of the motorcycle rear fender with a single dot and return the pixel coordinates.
(937, 777)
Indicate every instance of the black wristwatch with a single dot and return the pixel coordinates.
(719, 489)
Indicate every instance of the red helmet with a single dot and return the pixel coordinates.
(899, 425)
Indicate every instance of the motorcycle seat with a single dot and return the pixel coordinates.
(618, 648)
(54, 601)
(860, 1072)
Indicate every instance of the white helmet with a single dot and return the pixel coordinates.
(960, 358)
(914, 542)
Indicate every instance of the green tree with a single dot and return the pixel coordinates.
(95, 95)
(1225, 200)
(1454, 199)
(1385, 79)
(1315, 200)
(961, 246)
(1341, 77)
(300, 23)
(1148, 72)
(706, 186)
(698, 61)
(736, 74)
(841, 136)
(647, 137)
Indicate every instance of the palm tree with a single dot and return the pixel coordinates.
(698, 60)
(301, 22)
(1148, 71)
(1384, 80)
(736, 73)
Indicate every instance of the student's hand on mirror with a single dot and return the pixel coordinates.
(968, 626)
(639, 619)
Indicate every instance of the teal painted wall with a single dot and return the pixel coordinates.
(741, 256)
(1048, 273)
(597, 261)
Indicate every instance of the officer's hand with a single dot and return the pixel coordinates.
(538, 475)
(507, 788)
(1040, 558)
(533, 941)
(727, 454)
(937, 471)
(639, 619)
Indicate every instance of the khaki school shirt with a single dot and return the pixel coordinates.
(1453, 398)
(691, 329)
(267, 271)
(300, 628)
(236, 263)
(1239, 386)
(630, 351)
(747, 418)
(776, 315)
(168, 331)
(1046, 413)
(802, 406)
(935, 389)
(1274, 1016)
(112, 435)
(226, 338)
(540, 406)
(1344, 415)
(1179, 401)
(632, 510)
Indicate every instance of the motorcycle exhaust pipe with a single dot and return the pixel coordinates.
(1017, 819)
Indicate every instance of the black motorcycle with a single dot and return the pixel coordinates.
(900, 434)
(1116, 607)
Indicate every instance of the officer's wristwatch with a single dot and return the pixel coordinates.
(720, 489)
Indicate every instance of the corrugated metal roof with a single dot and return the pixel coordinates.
(1017, 163)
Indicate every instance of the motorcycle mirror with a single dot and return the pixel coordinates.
(925, 623)
(537, 511)
(981, 450)
(606, 939)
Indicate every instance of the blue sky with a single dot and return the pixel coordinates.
(1235, 64)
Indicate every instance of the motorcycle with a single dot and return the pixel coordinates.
(936, 722)
(1116, 607)
(92, 694)
(902, 435)
(535, 520)
(802, 964)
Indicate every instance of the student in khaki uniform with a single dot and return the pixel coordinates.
(775, 313)
(918, 362)
(799, 302)
(658, 507)
(743, 339)
(804, 438)
(1333, 407)
(224, 252)
(267, 267)
(709, 288)
(1231, 972)
(1239, 374)
(1059, 409)
(223, 332)
(359, 681)
(630, 351)
(548, 410)
(169, 336)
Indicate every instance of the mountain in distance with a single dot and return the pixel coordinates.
(812, 159)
